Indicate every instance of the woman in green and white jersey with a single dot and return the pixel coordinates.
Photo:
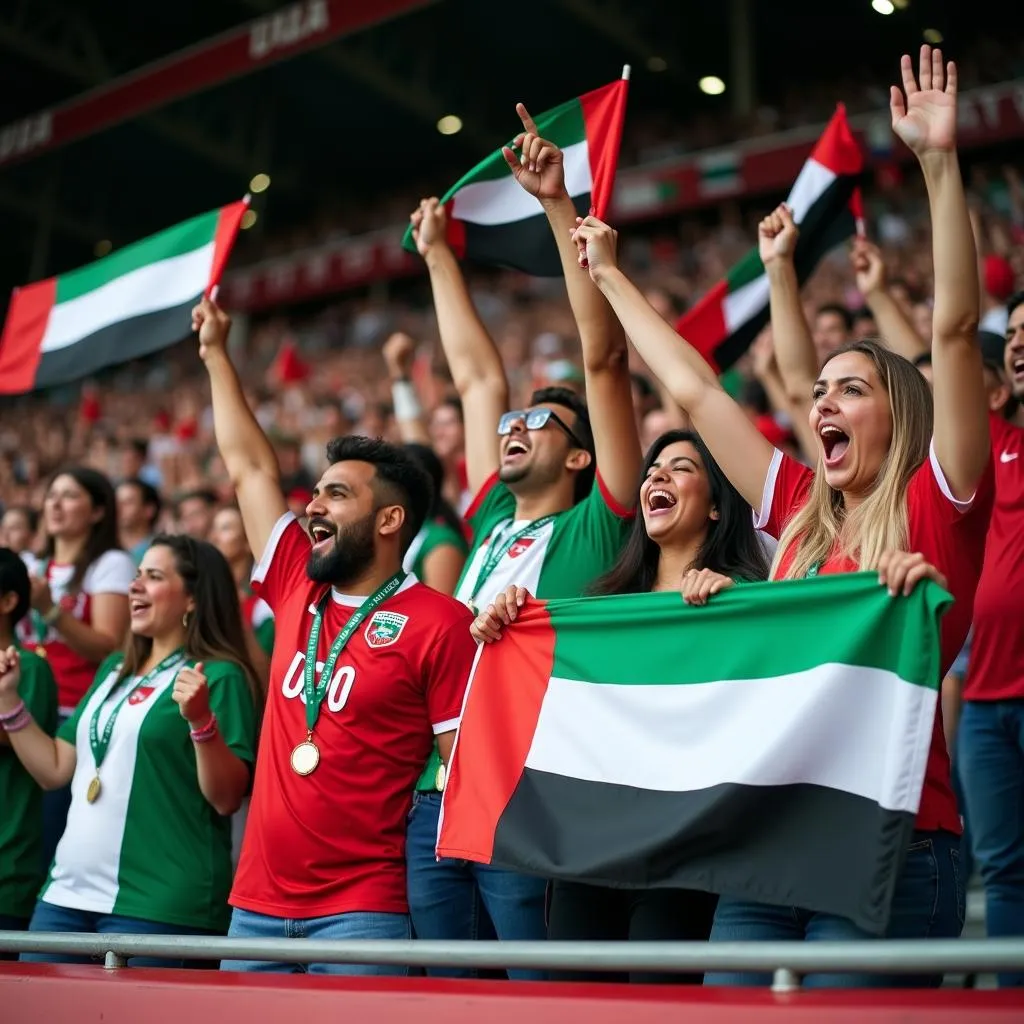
(159, 755)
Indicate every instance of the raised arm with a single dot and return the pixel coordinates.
(539, 170)
(795, 354)
(473, 358)
(737, 445)
(399, 351)
(248, 456)
(895, 329)
(926, 122)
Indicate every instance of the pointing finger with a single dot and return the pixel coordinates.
(528, 123)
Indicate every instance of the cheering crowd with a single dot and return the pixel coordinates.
(300, 644)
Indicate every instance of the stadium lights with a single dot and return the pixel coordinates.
(656, 64)
(260, 183)
(102, 247)
(449, 124)
(933, 36)
(711, 85)
(248, 219)
(883, 6)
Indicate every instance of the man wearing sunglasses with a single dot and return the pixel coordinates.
(555, 486)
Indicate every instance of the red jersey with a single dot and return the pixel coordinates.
(333, 842)
(951, 535)
(996, 669)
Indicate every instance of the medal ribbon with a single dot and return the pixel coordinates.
(100, 742)
(314, 690)
(499, 547)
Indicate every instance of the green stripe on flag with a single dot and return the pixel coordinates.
(750, 268)
(788, 627)
(176, 241)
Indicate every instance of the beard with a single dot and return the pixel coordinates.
(350, 556)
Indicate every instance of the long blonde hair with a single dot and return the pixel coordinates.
(879, 523)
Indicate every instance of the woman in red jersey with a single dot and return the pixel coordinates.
(894, 472)
(79, 612)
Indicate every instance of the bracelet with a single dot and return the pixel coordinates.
(23, 719)
(405, 401)
(206, 732)
(9, 716)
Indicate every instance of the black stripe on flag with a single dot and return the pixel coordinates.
(800, 845)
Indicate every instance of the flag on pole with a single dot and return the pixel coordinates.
(129, 304)
(771, 745)
(725, 322)
(491, 219)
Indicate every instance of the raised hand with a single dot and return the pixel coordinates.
(597, 243)
(192, 695)
(776, 235)
(926, 120)
(399, 351)
(213, 326)
(429, 225)
(10, 672)
(868, 266)
(539, 169)
(700, 584)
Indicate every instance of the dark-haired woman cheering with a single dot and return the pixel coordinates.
(158, 753)
(79, 600)
(696, 534)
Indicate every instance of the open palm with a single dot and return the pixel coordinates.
(926, 119)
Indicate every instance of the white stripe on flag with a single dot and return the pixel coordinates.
(859, 730)
(147, 289)
(811, 183)
(503, 201)
(739, 306)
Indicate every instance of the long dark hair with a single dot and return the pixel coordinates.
(731, 545)
(103, 533)
(441, 507)
(214, 631)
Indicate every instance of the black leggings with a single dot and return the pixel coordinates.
(596, 913)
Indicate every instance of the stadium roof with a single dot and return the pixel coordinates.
(358, 116)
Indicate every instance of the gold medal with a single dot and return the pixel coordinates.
(440, 777)
(93, 792)
(305, 757)
(41, 651)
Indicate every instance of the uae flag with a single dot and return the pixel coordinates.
(770, 745)
(825, 201)
(492, 220)
(128, 304)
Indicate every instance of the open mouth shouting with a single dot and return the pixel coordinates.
(516, 449)
(138, 606)
(1017, 367)
(835, 442)
(322, 532)
(660, 502)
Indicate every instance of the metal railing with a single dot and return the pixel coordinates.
(787, 962)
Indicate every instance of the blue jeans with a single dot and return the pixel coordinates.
(447, 897)
(929, 903)
(48, 917)
(356, 925)
(990, 745)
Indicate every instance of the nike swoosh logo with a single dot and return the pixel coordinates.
(1008, 456)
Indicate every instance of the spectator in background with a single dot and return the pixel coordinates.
(448, 439)
(194, 511)
(833, 328)
(864, 325)
(138, 509)
(79, 599)
(21, 824)
(135, 464)
(18, 528)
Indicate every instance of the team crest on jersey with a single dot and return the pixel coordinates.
(520, 546)
(142, 694)
(384, 628)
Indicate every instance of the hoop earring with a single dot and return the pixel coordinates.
(184, 620)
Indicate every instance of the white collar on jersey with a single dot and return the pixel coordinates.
(355, 600)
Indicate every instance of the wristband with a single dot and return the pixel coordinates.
(405, 400)
(206, 732)
(19, 722)
(9, 716)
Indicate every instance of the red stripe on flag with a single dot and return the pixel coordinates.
(456, 233)
(24, 329)
(228, 223)
(837, 149)
(498, 724)
(604, 112)
(703, 325)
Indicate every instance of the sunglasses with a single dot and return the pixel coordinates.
(537, 419)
